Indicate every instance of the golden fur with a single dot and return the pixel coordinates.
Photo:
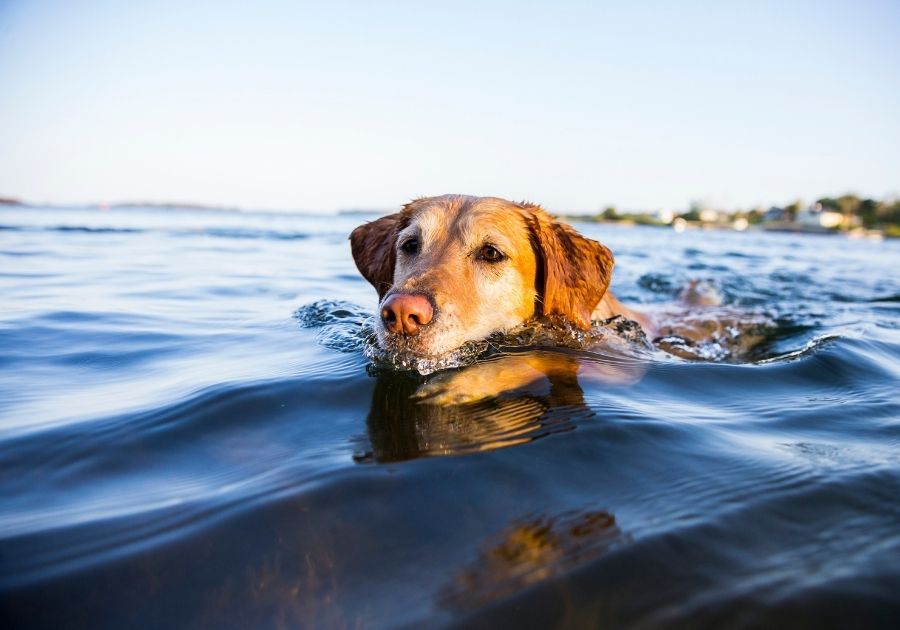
(548, 269)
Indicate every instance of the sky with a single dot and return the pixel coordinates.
(338, 104)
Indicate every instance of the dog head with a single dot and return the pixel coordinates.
(453, 269)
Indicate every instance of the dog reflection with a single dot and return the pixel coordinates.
(412, 417)
(501, 402)
(528, 552)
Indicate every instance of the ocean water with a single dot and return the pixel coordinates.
(192, 435)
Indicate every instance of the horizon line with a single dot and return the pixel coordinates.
(13, 201)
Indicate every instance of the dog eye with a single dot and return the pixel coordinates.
(410, 247)
(490, 254)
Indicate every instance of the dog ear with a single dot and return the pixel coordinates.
(374, 250)
(573, 271)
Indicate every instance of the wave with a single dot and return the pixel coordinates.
(72, 228)
(218, 232)
(78, 495)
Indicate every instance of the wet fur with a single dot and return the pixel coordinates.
(551, 269)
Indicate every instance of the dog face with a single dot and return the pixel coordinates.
(454, 269)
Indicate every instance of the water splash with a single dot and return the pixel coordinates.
(343, 325)
(617, 333)
(713, 350)
(348, 328)
(717, 335)
(467, 354)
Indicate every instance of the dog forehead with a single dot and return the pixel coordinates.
(469, 219)
(433, 221)
(494, 223)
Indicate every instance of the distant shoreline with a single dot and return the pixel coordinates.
(785, 228)
(10, 202)
(754, 221)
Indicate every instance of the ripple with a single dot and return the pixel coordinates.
(733, 571)
(78, 494)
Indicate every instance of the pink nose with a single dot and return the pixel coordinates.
(406, 313)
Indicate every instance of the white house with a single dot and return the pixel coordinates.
(665, 215)
(816, 216)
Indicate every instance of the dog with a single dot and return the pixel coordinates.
(454, 269)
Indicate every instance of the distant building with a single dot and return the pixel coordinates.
(775, 214)
(709, 216)
(816, 216)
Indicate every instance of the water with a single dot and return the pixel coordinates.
(193, 435)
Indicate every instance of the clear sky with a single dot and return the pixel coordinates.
(332, 104)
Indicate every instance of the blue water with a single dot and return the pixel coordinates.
(191, 435)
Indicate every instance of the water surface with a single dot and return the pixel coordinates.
(180, 448)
